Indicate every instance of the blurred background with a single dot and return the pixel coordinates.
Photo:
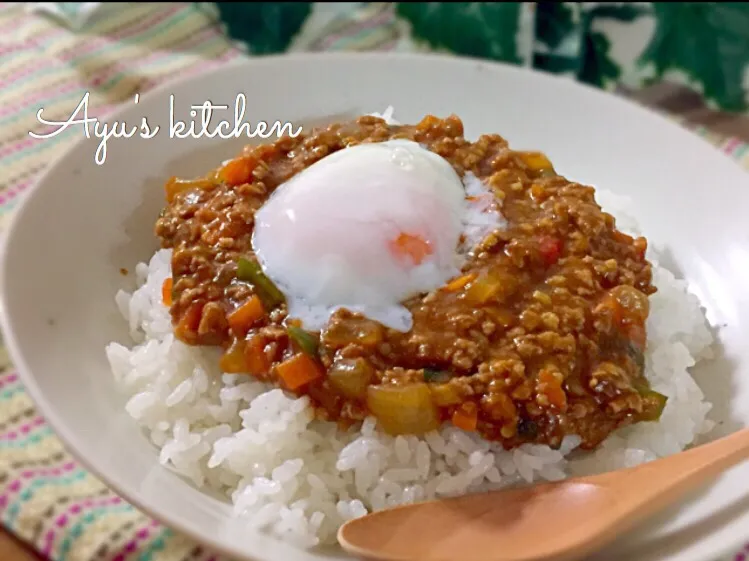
(687, 60)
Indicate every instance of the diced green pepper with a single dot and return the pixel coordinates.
(436, 376)
(250, 271)
(654, 404)
(304, 340)
(637, 355)
(641, 385)
(527, 429)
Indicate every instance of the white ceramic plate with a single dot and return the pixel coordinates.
(82, 222)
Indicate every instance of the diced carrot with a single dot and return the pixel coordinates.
(466, 416)
(175, 186)
(549, 383)
(610, 303)
(634, 304)
(427, 123)
(641, 247)
(622, 237)
(166, 291)
(536, 161)
(237, 171)
(458, 283)
(254, 356)
(411, 247)
(550, 248)
(172, 188)
(189, 322)
(233, 361)
(241, 319)
(299, 370)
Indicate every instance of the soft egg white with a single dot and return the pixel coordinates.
(364, 229)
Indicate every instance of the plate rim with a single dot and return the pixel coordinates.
(34, 390)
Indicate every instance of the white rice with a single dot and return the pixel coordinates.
(300, 479)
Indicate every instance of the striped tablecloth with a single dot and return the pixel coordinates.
(46, 498)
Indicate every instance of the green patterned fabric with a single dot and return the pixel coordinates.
(703, 45)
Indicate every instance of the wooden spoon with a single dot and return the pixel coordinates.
(552, 521)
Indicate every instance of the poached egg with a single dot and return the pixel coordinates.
(367, 227)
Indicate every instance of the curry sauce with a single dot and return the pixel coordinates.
(542, 334)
